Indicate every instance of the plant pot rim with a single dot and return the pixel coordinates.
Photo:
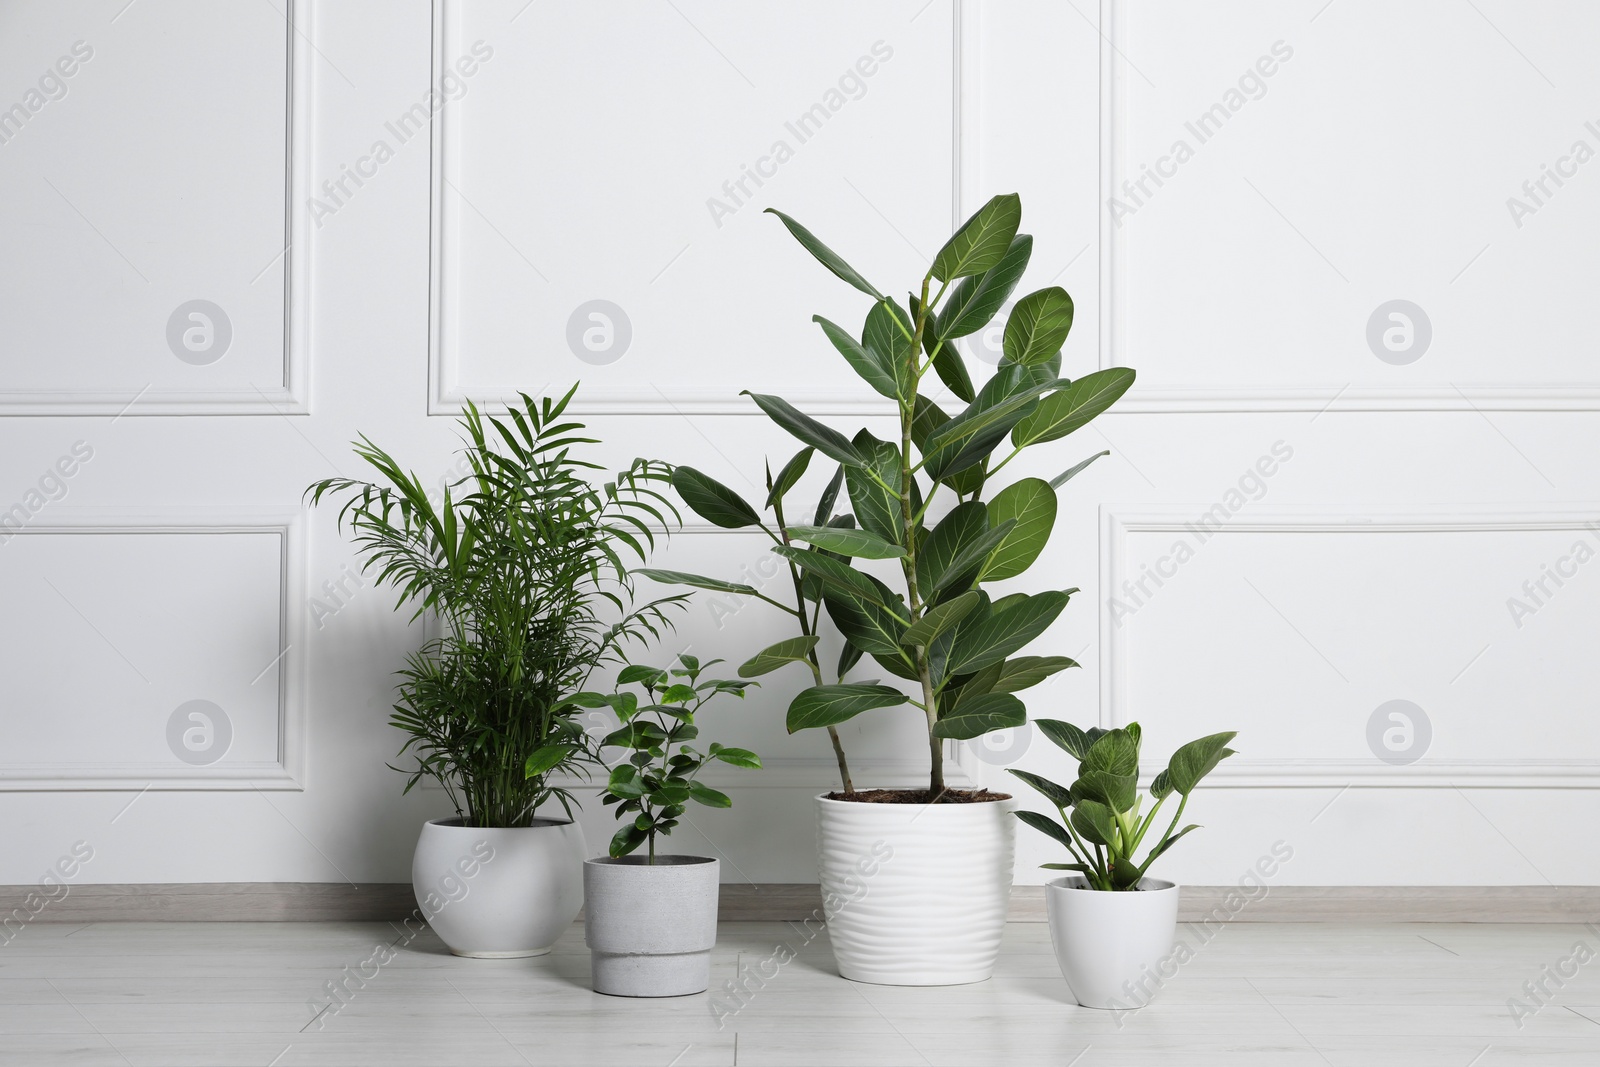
(1147, 887)
(979, 805)
(636, 860)
(456, 822)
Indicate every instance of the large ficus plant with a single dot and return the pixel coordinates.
(1102, 823)
(928, 501)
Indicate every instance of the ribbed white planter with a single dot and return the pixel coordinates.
(499, 892)
(1111, 945)
(915, 894)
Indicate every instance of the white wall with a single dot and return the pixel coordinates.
(1395, 508)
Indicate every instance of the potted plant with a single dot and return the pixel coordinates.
(650, 920)
(904, 575)
(516, 560)
(1110, 923)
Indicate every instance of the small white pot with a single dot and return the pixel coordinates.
(915, 894)
(499, 892)
(1111, 946)
(649, 926)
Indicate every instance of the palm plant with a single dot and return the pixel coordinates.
(522, 561)
(928, 500)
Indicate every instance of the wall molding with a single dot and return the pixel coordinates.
(793, 902)
(1443, 396)
(292, 395)
(287, 772)
(446, 398)
(1117, 522)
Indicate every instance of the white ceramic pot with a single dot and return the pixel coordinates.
(499, 892)
(1111, 945)
(649, 926)
(915, 894)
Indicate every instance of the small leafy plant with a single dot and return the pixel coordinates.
(1105, 827)
(659, 779)
(524, 564)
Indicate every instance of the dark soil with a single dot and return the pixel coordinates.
(920, 796)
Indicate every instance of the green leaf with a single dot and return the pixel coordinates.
(713, 501)
(1038, 326)
(1115, 752)
(982, 240)
(792, 472)
(984, 412)
(769, 659)
(546, 758)
(639, 673)
(873, 365)
(871, 629)
(1005, 631)
(1046, 825)
(1161, 786)
(882, 336)
(830, 496)
(678, 694)
(974, 300)
(711, 798)
(739, 757)
(840, 576)
(1024, 672)
(981, 715)
(826, 256)
(1032, 503)
(1081, 868)
(973, 556)
(716, 585)
(625, 783)
(1069, 738)
(1197, 759)
(849, 655)
(1093, 822)
(826, 705)
(1115, 791)
(626, 840)
(1071, 408)
(966, 523)
(847, 542)
(824, 439)
(939, 619)
(876, 508)
(1067, 475)
(1059, 795)
(952, 370)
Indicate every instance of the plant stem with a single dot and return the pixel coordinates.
(811, 657)
(909, 560)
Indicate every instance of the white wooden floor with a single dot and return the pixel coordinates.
(216, 994)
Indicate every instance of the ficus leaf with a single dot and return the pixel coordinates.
(827, 705)
(792, 472)
(982, 240)
(974, 300)
(873, 365)
(1032, 503)
(713, 501)
(824, 439)
(847, 542)
(826, 256)
(1038, 326)
(1072, 407)
(981, 715)
(769, 659)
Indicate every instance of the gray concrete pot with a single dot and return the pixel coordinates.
(650, 927)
